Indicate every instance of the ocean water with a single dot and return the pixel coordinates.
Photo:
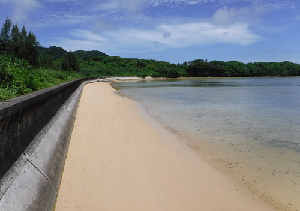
(249, 127)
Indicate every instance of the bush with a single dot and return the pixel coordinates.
(17, 77)
(31, 83)
(7, 93)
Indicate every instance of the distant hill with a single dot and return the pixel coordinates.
(86, 55)
(59, 52)
(56, 52)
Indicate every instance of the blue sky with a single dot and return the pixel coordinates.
(167, 30)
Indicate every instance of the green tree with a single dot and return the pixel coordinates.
(47, 61)
(5, 36)
(22, 41)
(216, 68)
(252, 69)
(198, 68)
(15, 38)
(31, 49)
(57, 52)
(70, 62)
(16, 42)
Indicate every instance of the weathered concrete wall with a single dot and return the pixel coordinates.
(35, 131)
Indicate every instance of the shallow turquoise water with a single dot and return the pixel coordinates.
(264, 110)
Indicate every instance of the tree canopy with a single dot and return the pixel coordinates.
(201, 68)
(70, 62)
(19, 43)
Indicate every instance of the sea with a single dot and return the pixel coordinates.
(246, 127)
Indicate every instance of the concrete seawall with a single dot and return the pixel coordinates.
(35, 131)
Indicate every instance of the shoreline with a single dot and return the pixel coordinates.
(252, 168)
(119, 159)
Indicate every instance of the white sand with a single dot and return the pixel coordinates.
(120, 160)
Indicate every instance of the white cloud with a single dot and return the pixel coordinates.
(63, 19)
(22, 7)
(87, 35)
(103, 26)
(60, 0)
(133, 6)
(163, 37)
(130, 6)
(166, 34)
(183, 35)
(225, 15)
(187, 2)
(278, 5)
(73, 45)
(257, 8)
(193, 2)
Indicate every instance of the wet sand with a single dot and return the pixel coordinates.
(119, 159)
(272, 175)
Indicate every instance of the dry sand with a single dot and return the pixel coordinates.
(119, 159)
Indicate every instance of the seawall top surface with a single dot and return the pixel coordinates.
(14, 105)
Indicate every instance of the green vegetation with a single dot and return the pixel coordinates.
(70, 62)
(95, 63)
(201, 68)
(117, 66)
(17, 77)
(25, 66)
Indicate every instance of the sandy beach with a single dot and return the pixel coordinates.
(119, 159)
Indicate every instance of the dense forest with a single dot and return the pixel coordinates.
(25, 66)
(201, 68)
